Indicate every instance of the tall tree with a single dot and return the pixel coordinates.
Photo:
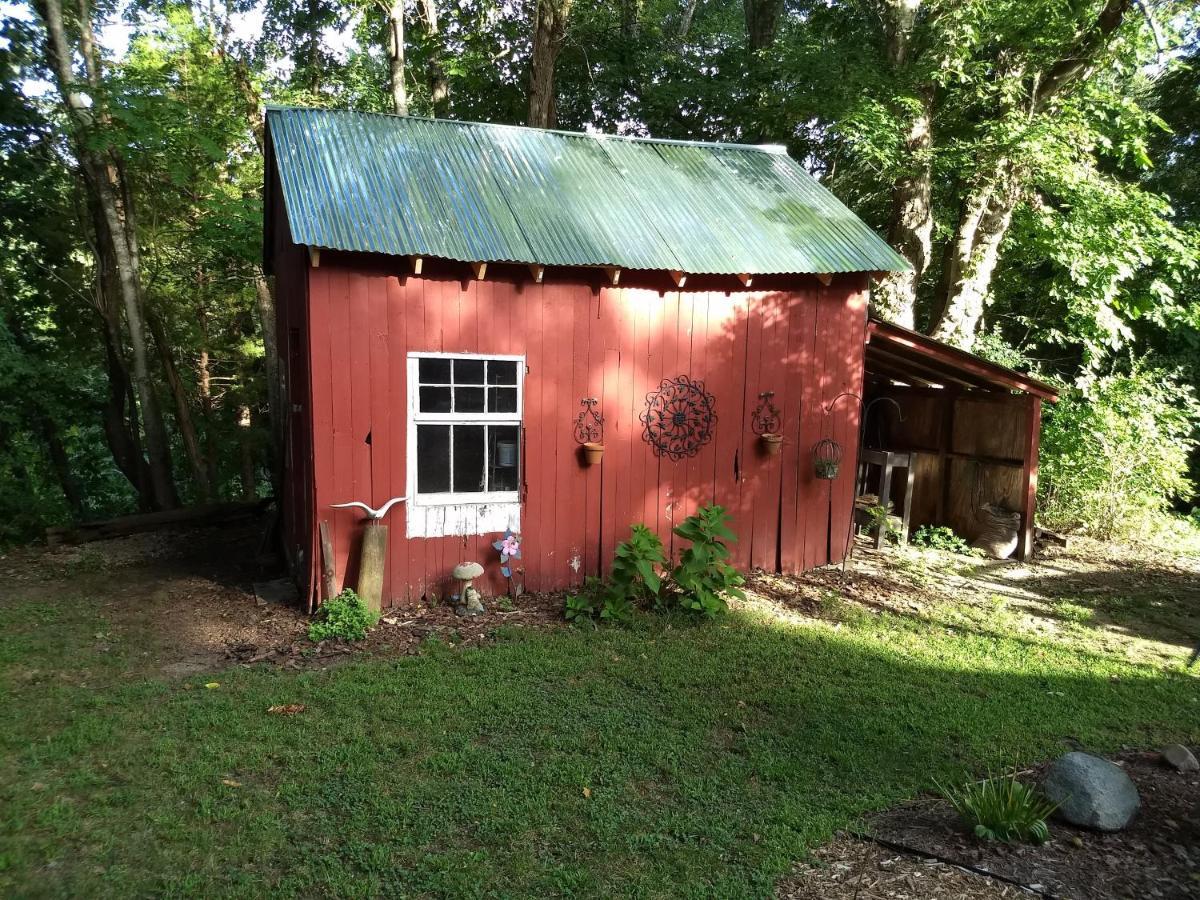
(549, 31)
(1031, 93)
(396, 86)
(910, 228)
(104, 178)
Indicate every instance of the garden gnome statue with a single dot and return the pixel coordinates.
(469, 601)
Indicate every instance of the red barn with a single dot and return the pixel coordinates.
(453, 297)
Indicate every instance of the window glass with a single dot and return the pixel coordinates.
(502, 400)
(435, 399)
(468, 371)
(433, 459)
(433, 371)
(470, 399)
(502, 371)
(468, 458)
(504, 449)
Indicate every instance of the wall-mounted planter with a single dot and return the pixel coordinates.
(772, 444)
(592, 453)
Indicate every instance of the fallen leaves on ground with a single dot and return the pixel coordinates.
(286, 709)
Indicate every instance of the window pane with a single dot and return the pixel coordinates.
(502, 400)
(468, 458)
(468, 371)
(433, 371)
(435, 399)
(433, 459)
(502, 371)
(504, 451)
(468, 399)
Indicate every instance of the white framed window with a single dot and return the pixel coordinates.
(464, 429)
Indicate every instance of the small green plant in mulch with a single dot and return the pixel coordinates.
(1001, 808)
(641, 577)
(939, 537)
(344, 616)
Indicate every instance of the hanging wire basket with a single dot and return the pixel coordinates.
(827, 459)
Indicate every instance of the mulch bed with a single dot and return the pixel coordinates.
(1157, 856)
(849, 868)
(401, 631)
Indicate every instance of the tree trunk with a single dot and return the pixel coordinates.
(549, 31)
(396, 58)
(439, 82)
(249, 491)
(266, 318)
(910, 228)
(119, 433)
(631, 19)
(103, 168)
(685, 18)
(61, 464)
(762, 21)
(981, 232)
(183, 412)
(204, 379)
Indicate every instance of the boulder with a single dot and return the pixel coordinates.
(1091, 792)
(1180, 758)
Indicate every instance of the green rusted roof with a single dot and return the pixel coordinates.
(497, 193)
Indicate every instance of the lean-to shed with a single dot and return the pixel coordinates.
(462, 306)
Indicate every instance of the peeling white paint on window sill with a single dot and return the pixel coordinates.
(455, 519)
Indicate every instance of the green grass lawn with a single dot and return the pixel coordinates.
(661, 760)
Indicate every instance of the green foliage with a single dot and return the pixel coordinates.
(635, 581)
(345, 617)
(1114, 455)
(939, 537)
(1000, 808)
(704, 577)
(698, 585)
(881, 519)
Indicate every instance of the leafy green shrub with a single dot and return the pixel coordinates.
(698, 584)
(344, 616)
(1000, 808)
(1114, 456)
(704, 577)
(939, 537)
(634, 581)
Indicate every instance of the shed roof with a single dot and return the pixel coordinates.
(470, 192)
(906, 355)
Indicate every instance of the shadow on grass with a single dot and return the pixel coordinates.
(659, 760)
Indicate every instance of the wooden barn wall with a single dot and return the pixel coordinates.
(290, 264)
(972, 451)
(613, 343)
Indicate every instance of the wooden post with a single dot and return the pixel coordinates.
(370, 568)
(1033, 436)
(910, 476)
(328, 573)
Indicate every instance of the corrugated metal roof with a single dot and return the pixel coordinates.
(498, 193)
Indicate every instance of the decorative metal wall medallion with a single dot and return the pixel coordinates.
(589, 424)
(679, 418)
(766, 416)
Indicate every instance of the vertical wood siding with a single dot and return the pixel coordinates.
(804, 343)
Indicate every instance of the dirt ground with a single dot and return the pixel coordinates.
(187, 596)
